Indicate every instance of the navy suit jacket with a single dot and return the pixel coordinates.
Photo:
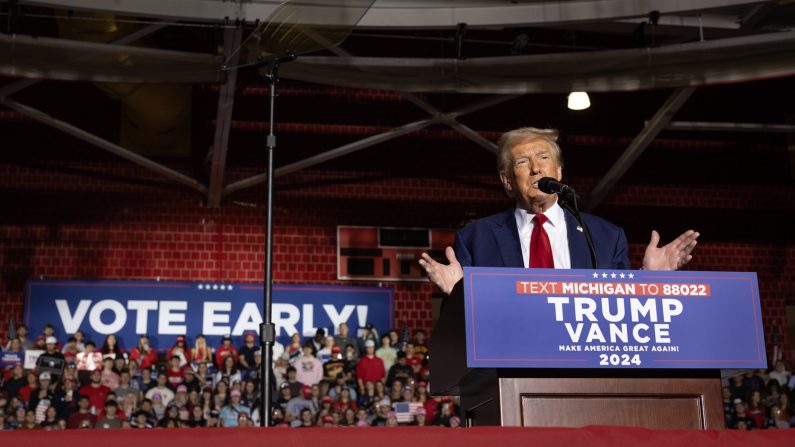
(494, 242)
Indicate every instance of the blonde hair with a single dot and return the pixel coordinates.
(510, 139)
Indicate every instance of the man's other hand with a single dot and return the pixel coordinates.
(444, 276)
(672, 256)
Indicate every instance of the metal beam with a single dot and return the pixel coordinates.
(115, 149)
(14, 87)
(436, 117)
(482, 104)
(474, 136)
(332, 154)
(731, 127)
(639, 144)
(411, 13)
(223, 120)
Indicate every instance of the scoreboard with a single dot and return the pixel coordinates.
(388, 253)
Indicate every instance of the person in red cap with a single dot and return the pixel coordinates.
(224, 350)
(302, 402)
(329, 421)
(325, 404)
(336, 366)
(180, 349)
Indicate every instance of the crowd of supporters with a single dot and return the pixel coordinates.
(760, 400)
(327, 381)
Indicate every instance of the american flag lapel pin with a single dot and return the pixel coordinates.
(579, 228)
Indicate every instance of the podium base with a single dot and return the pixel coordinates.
(692, 403)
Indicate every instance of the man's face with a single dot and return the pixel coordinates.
(343, 329)
(531, 161)
(162, 379)
(96, 376)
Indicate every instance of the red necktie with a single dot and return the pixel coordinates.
(540, 248)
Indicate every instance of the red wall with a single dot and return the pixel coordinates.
(114, 221)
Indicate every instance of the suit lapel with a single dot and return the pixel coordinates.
(578, 247)
(506, 236)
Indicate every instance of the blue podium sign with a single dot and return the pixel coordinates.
(547, 318)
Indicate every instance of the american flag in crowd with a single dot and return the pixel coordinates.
(405, 411)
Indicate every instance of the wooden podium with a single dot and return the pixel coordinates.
(657, 399)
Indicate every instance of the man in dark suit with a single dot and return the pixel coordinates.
(504, 240)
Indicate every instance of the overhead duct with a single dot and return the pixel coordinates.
(155, 119)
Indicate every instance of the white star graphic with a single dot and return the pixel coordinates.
(223, 287)
(613, 275)
(631, 276)
(622, 275)
(207, 287)
(229, 287)
(215, 286)
(201, 286)
(595, 275)
(604, 275)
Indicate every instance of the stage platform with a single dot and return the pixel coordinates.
(594, 436)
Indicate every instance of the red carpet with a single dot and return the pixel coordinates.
(596, 436)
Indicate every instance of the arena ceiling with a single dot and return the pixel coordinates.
(390, 85)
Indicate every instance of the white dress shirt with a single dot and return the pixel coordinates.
(556, 230)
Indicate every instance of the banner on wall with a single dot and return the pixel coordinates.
(165, 310)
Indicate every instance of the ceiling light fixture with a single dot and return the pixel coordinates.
(579, 101)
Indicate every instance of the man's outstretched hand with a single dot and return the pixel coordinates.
(444, 276)
(672, 256)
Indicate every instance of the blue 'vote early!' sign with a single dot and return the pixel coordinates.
(165, 310)
(547, 318)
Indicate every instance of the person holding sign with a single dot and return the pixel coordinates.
(537, 232)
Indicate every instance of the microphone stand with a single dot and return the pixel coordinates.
(267, 328)
(575, 211)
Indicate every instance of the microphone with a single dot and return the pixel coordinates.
(551, 186)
